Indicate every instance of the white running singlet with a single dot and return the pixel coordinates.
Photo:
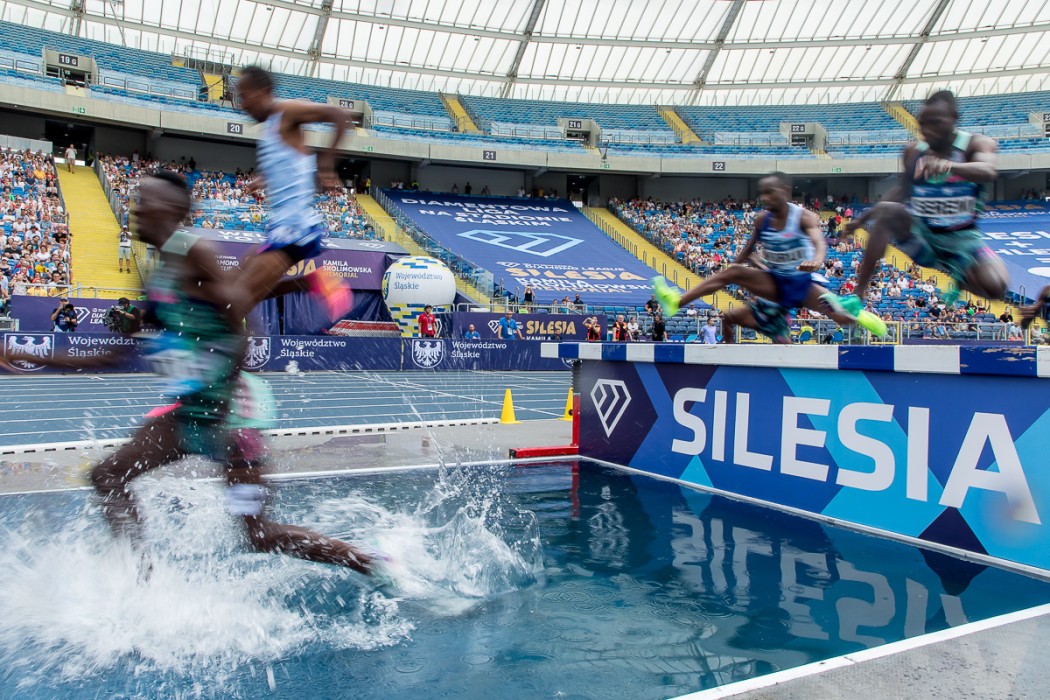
(291, 183)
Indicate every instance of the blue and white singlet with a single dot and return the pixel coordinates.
(291, 183)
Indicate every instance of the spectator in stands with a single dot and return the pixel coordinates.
(485, 191)
(427, 323)
(64, 317)
(578, 302)
(472, 333)
(632, 328)
(455, 188)
(509, 328)
(709, 333)
(1006, 319)
(658, 331)
(528, 297)
(124, 249)
(467, 189)
(71, 158)
(652, 306)
(594, 330)
(620, 333)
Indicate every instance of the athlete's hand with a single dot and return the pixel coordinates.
(329, 180)
(928, 166)
(851, 227)
(257, 185)
(811, 265)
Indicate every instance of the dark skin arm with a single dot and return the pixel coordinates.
(296, 113)
(811, 226)
(749, 248)
(1028, 313)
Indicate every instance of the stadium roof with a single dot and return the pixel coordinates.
(644, 51)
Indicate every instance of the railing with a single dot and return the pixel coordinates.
(733, 138)
(73, 291)
(133, 85)
(404, 121)
(525, 131)
(474, 274)
(643, 137)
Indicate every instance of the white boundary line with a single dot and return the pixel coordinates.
(1034, 572)
(362, 429)
(326, 473)
(793, 674)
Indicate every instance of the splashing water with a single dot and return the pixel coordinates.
(73, 601)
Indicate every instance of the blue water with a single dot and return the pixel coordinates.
(561, 580)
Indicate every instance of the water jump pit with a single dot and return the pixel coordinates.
(562, 579)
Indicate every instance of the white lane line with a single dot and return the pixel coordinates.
(361, 429)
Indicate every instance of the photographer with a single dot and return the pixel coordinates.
(124, 318)
(64, 317)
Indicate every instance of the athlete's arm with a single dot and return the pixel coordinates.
(811, 227)
(982, 165)
(749, 248)
(1029, 312)
(297, 113)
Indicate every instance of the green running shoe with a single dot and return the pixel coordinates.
(852, 306)
(667, 297)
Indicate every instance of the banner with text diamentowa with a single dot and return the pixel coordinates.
(547, 243)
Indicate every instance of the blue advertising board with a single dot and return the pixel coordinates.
(498, 355)
(533, 326)
(957, 460)
(1019, 232)
(305, 353)
(547, 243)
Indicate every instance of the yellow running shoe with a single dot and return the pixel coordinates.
(667, 297)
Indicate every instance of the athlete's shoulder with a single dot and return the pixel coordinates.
(982, 143)
(809, 217)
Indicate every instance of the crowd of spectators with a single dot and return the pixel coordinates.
(34, 236)
(226, 201)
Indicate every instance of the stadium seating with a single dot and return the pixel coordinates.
(223, 202)
(119, 60)
(34, 237)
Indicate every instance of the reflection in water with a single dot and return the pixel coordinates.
(567, 580)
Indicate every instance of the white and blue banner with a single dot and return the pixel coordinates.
(1019, 232)
(947, 445)
(547, 243)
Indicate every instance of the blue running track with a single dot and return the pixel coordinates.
(38, 409)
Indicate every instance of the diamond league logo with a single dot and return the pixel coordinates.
(543, 245)
(610, 398)
(82, 314)
(427, 353)
(257, 353)
(494, 326)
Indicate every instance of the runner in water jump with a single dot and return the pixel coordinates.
(290, 174)
(217, 409)
(792, 250)
(931, 215)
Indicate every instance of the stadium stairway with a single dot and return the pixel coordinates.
(388, 230)
(459, 114)
(902, 115)
(214, 83)
(659, 261)
(678, 125)
(94, 232)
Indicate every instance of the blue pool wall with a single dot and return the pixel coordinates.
(948, 445)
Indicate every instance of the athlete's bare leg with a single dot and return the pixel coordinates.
(154, 444)
(247, 468)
